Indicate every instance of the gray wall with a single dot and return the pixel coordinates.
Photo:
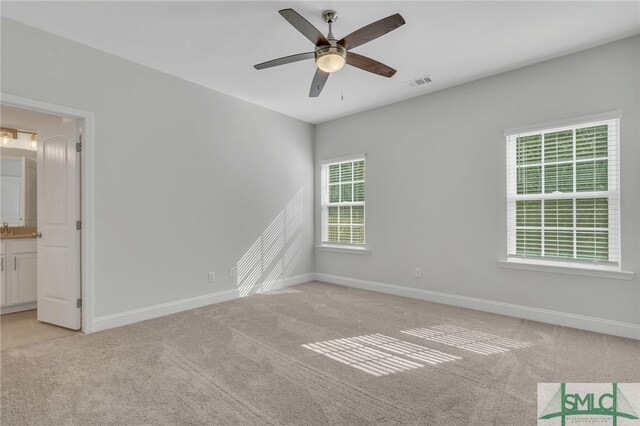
(186, 178)
(436, 191)
(436, 175)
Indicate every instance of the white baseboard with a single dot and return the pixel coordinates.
(136, 315)
(18, 308)
(598, 325)
(582, 322)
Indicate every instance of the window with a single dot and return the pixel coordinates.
(343, 202)
(563, 194)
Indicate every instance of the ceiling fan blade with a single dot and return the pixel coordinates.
(372, 31)
(368, 64)
(285, 60)
(319, 79)
(304, 26)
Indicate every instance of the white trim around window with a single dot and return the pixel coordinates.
(563, 203)
(338, 248)
(569, 268)
(343, 205)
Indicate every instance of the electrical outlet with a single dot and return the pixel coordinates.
(418, 272)
(212, 277)
(232, 272)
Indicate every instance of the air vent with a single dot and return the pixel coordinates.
(419, 81)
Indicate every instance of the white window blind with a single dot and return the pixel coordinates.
(563, 194)
(343, 202)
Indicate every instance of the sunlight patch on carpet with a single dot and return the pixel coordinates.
(378, 354)
(470, 340)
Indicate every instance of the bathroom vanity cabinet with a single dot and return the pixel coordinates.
(18, 264)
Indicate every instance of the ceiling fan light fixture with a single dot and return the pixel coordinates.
(331, 58)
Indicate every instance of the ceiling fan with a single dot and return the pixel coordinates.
(331, 54)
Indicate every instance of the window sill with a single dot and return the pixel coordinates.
(343, 249)
(601, 272)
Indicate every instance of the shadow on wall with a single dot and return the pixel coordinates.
(275, 254)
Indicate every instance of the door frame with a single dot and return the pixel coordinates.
(86, 195)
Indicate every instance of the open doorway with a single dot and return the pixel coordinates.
(40, 213)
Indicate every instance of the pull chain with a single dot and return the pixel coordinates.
(342, 84)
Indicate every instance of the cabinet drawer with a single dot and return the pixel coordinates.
(24, 246)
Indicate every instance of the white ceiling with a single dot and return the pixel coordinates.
(216, 44)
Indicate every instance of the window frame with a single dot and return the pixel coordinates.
(323, 243)
(612, 194)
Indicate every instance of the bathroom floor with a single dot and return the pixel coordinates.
(22, 328)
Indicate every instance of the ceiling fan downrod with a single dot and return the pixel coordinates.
(330, 16)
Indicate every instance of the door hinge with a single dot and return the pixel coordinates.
(79, 147)
(78, 225)
(78, 303)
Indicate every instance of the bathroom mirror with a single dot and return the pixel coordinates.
(18, 180)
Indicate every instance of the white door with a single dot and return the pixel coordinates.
(58, 211)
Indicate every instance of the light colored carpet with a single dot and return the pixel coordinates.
(322, 355)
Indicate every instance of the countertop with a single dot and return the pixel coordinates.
(19, 233)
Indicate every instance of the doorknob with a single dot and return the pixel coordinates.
(37, 235)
